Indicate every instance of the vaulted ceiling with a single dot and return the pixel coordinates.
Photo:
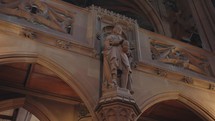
(28, 79)
(19, 79)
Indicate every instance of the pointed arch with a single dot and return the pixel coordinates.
(181, 98)
(152, 15)
(28, 57)
(19, 102)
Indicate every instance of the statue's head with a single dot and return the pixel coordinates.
(117, 29)
(125, 46)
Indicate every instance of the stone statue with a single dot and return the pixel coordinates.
(117, 70)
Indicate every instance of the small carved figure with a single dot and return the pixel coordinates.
(117, 70)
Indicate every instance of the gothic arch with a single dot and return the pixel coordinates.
(144, 9)
(153, 16)
(180, 97)
(28, 105)
(66, 76)
(38, 110)
(11, 103)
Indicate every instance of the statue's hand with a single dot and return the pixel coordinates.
(129, 69)
(111, 42)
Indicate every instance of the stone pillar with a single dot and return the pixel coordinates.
(117, 104)
(205, 21)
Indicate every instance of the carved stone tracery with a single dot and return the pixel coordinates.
(120, 112)
(40, 13)
(179, 57)
(117, 105)
(112, 17)
(29, 34)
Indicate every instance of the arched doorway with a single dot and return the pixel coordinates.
(18, 114)
(43, 93)
(170, 110)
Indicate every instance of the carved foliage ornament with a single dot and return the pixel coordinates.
(173, 55)
(187, 80)
(211, 87)
(114, 112)
(29, 34)
(106, 15)
(40, 13)
(160, 72)
(63, 44)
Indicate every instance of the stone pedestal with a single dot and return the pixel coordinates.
(117, 105)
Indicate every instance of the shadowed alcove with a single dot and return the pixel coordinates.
(171, 110)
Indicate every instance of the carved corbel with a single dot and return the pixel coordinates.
(160, 72)
(211, 87)
(63, 44)
(28, 34)
(187, 80)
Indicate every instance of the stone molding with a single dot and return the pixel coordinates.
(202, 82)
(48, 38)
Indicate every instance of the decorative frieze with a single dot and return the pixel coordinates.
(171, 54)
(40, 13)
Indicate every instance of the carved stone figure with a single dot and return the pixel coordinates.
(117, 70)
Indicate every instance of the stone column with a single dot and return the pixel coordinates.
(117, 104)
(205, 21)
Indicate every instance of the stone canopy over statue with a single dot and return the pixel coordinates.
(117, 53)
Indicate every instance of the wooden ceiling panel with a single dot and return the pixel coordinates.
(44, 71)
(35, 78)
(20, 66)
(8, 95)
(43, 79)
(13, 72)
